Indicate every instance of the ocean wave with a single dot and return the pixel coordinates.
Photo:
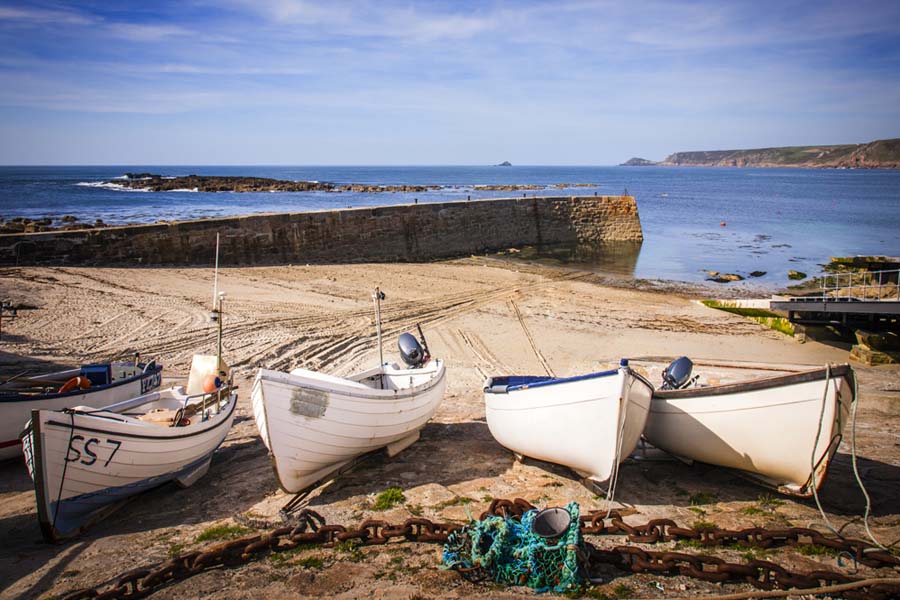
(108, 185)
(185, 190)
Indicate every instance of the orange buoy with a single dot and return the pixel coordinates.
(209, 384)
(81, 383)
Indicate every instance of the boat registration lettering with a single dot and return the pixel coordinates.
(87, 455)
(151, 382)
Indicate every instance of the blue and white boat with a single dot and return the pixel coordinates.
(589, 423)
(84, 460)
(98, 384)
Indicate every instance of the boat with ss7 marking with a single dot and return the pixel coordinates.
(84, 460)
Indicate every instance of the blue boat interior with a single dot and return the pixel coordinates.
(97, 373)
(511, 383)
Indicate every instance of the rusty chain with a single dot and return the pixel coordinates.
(310, 528)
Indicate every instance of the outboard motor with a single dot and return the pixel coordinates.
(678, 374)
(414, 352)
(411, 351)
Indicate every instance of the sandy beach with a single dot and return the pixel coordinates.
(484, 316)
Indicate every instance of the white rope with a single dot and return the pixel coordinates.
(856, 469)
(614, 480)
(853, 460)
(812, 458)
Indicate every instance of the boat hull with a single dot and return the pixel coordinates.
(15, 410)
(314, 424)
(766, 428)
(86, 461)
(587, 423)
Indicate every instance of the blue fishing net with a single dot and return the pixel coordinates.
(509, 552)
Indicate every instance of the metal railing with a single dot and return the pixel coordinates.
(863, 285)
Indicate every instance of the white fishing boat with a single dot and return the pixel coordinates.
(314, 424)
(781, 430)
(589, 423)
(97, 384)
(84, 460)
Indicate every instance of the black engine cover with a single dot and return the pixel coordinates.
(410, 350)
(678, 373)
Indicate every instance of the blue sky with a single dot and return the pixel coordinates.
(383, 82)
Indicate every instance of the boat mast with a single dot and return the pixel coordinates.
(220, 314)
(377, 297)
(216, 274)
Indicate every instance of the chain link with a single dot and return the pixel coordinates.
(309, 527)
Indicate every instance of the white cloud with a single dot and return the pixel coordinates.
(146, 32)
(43, 16)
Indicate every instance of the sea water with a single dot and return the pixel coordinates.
(695, 219)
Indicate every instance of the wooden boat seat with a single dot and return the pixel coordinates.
(159, 416)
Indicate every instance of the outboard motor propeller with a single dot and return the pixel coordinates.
(678, 374)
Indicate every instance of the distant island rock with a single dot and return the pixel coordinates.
(880, 154)
(638, 162)
(505, 163)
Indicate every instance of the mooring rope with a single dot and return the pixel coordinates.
(614, 480)
(859, 481)
(812, 458)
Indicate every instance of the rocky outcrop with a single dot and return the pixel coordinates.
(638, 162)
(213, 183)
(505, 163)
(374, 189)
(881, 154)
(507, 188)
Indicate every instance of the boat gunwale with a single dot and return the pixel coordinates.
(19, 397)
(843, 370)
(233, 403)
(355, 392)
(491, 389)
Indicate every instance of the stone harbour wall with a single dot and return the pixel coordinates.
(408, 232)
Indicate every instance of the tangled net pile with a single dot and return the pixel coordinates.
(509, 552)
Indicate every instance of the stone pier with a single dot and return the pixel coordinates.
(407, 232)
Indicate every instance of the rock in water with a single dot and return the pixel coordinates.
(637, 162)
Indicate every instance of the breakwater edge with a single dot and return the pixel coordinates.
(410, 233)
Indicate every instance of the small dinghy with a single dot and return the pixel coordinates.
(84, 459)
(315, 424)
(98, 384)
(589, 423)
(781, 431)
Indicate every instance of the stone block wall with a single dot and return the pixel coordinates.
(408, 232)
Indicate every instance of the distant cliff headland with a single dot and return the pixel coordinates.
(880, 154)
